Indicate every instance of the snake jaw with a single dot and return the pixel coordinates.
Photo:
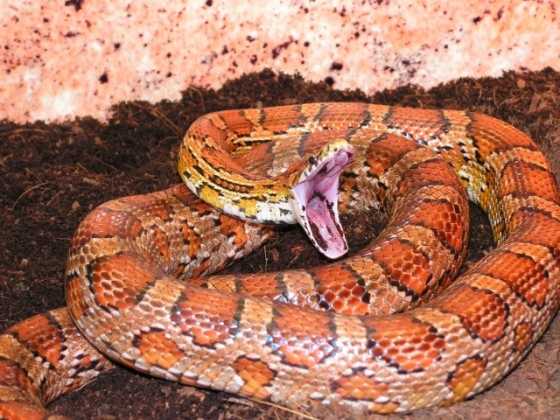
(315, 201)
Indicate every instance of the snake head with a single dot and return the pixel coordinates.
(315, 198)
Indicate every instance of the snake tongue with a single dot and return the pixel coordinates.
(316, 204)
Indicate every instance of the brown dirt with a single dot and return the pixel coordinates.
(51, 176)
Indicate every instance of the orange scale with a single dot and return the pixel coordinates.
(359, 387)
(158, 350)
(42, 336)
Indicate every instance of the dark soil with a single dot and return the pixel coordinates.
(52, 175)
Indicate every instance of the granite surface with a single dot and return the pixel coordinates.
(61, 59)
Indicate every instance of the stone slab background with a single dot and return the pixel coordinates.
(62, 59)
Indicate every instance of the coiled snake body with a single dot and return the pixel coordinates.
(321, 335)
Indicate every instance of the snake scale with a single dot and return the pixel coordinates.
(388, 329)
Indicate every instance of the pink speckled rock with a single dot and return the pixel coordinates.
(75, 58)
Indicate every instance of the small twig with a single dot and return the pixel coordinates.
(280, 407)
(27, 191)
(22, 130)
(108, 165)
(163, 118)
(53, 197)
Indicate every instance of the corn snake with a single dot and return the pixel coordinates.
(485, 340)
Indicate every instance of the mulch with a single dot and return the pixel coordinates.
(52, 175)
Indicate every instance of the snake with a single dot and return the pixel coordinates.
(393, 327)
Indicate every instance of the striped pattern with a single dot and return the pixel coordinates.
(320, 335)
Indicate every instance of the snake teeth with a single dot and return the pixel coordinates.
(315, 202)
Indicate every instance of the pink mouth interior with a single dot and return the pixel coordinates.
(317, 196)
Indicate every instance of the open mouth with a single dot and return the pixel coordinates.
(317, 204)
